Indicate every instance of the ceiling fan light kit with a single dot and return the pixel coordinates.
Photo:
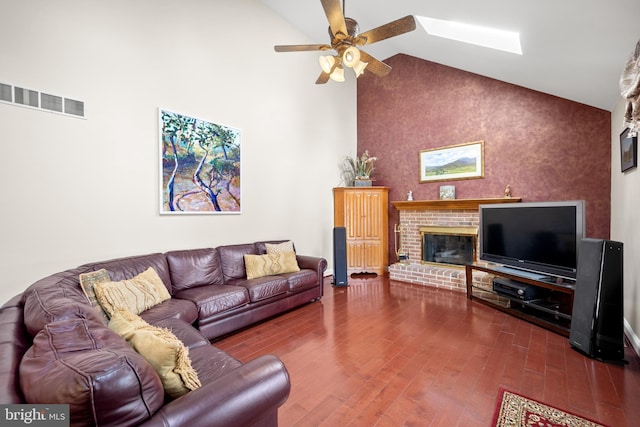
(359, 68)
(351, 57)
(337, 75)
(345, 39)
(327, 63)
(332, 67)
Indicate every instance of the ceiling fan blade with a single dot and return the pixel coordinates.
(301, 47)
(323, 78)
(334, 15)
(391, 29)
(378, 68)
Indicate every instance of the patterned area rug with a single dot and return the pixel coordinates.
(513, 410)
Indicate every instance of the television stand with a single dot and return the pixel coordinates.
(530, 297)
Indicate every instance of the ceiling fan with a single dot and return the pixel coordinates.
(345, 40)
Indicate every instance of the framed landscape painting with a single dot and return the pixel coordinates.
(463, 161)
(199, 166)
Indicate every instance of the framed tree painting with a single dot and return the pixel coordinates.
(628, 151)
(199, 166)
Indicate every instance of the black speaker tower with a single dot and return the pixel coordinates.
(597, 325)
(340, 256)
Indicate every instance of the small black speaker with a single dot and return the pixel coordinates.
(597, 322)
(340, 256)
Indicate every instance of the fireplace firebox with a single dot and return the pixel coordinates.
(448, 245)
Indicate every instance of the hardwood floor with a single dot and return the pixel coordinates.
(387, 353)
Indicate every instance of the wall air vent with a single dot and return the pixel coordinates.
(71, 106)
(51, 102)
(41, 101)
(5, 93)
(26, 97)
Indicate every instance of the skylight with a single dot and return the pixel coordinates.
(507, 41)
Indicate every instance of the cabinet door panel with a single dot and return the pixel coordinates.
(355, 255)
(372, 215)
(354, 206)
(372, 256)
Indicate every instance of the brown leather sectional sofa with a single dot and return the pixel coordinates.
(56, 348)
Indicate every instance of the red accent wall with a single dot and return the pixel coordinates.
(547, 148)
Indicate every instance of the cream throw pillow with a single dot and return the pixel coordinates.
(270, 264)
(278, 248)
(161, 348)
(88, 282)
(137, 294)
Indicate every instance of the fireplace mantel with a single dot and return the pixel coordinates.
(409, 205)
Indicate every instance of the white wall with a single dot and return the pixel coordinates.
(75, 191)
(625, 206)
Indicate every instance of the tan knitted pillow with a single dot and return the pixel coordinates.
(277, 248)
(161, 348)
(270, 264)
(137, 294)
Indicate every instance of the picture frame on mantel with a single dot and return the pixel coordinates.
(455, 162)
(447, 192)
(628, 151)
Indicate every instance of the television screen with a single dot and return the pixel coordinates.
(541, 237)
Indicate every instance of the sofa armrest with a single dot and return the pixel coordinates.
(14, 342)
(250, 393)
(313, 263)
(319, 265)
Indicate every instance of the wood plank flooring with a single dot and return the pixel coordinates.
(387, 353)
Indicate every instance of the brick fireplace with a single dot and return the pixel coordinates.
(459, 215)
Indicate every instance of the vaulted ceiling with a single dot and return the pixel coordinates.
(574, 49)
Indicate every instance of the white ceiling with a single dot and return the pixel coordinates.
(573, 49)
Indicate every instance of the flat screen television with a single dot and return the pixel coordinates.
(542, 238)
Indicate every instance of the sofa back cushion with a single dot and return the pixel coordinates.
(84, 364)
(193, 268)
(232, 259)
(126, 268)
(55, 298)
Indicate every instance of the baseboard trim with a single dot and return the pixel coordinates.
(632, 337)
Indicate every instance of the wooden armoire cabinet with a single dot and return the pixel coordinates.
(363, 211)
